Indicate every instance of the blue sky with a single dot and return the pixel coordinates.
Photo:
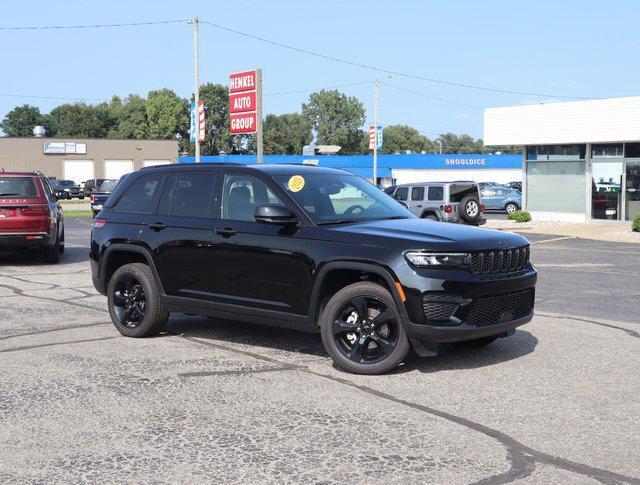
(572, 48)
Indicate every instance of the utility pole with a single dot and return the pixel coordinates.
(196, 92)
(375, 138)
(259, 146)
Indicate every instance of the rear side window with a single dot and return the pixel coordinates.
(141, 195)
(435, 193)
(458, 191)
(402, 193)
(192, 195)
(18, 187)
(417, 193)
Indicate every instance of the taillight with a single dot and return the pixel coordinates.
(98, 223)
(448, 209)
(482, 208)
(35, 210)
(91, 198)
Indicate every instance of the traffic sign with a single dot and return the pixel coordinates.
(242, 102)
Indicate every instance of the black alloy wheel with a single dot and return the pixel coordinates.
(129, 302)
(365, 330)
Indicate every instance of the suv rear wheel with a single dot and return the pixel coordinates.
(134, 302)
(469, 209)
(362, 331)
(511, 208)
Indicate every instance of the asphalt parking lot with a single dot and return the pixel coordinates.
(218, 401)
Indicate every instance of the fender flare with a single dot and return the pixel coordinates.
(385, 274)
(429, 212)
(130, 249)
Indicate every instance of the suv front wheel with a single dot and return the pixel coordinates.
(362, 331)
(134, 302)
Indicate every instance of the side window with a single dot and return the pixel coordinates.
(47, 187)
(166, 198)
(402, 193)
(435, 193)
(242, 194)
(192, 196)
(417, 193)
(141, 195)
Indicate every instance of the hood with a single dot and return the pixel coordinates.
(423, 234)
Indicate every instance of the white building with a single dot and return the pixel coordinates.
(581, 160)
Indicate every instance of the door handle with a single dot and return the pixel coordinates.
(419, 206)
(226, 232)
(157, 226)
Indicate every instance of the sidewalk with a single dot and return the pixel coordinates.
(599, 232)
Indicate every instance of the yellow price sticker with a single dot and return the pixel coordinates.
(296, 183)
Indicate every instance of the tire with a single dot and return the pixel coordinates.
(431, 217)
(477, 343)
(511, 207)
(469, 209)
(52, 253)
(372, 357)
(61, 243)
(129, 280)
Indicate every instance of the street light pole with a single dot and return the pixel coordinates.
(375, 137)
(196, 92)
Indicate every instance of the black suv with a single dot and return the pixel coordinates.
(309, 248)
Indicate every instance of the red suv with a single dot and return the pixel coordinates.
(30, 215)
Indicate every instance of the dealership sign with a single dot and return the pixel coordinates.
(64, 148)
(245, 103)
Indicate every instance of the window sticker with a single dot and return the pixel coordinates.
(296, 183)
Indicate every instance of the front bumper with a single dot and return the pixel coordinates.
(471, 307)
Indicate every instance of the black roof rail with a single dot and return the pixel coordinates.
(191, 164)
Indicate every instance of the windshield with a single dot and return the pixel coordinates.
(334, 198)
(66, 183)
(21, 187)
(108, 186)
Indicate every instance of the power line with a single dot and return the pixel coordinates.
(318, 89)
(61, 98)
(92, 26)
(386, 71)
(429, 96)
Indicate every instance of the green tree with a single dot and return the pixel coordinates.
(167, 114)
(452, 143)
(21, 120)
(336, 119)
(81, 120)
(130, 117)
(286, 134)
(399, 138)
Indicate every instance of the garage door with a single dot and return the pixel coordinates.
(153, 163)
(114, 169)
(78, 170)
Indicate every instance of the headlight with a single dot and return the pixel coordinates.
(66, 190)
(438, 260)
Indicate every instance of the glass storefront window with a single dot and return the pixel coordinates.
(632, 191)
(632, 150)
(556, 152)
(606, 195)
(607, 150)
(556, 186)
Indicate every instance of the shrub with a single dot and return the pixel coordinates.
(520, 216)
(635, 226)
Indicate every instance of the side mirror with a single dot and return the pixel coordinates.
(275, 214)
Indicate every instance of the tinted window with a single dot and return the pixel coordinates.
(192, 195)
(20, 187)
(242, 194)
(435, 193)
(458, 191)
(164, 206)
(140, 197)
(402, 193)
(417, 193)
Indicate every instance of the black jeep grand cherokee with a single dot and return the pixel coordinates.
(308, 248)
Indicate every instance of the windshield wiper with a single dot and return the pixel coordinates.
(7, 194)
(393, 217)
(340, 221)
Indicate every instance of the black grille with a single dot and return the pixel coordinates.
(499, 308)
(486, 263)
(438, 311)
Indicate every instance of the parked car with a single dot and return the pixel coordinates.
(484, 185)
(92, 185)
(101, 194)
(515, 186)
(501, 197)
(442, 201)
(307, 248)
(66, 189)
(30, 215)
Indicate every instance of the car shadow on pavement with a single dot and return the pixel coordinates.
(451, 357)
(71, 255)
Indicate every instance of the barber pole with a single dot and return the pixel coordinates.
(197, 128)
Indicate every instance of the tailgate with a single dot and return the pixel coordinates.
(18, 218)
